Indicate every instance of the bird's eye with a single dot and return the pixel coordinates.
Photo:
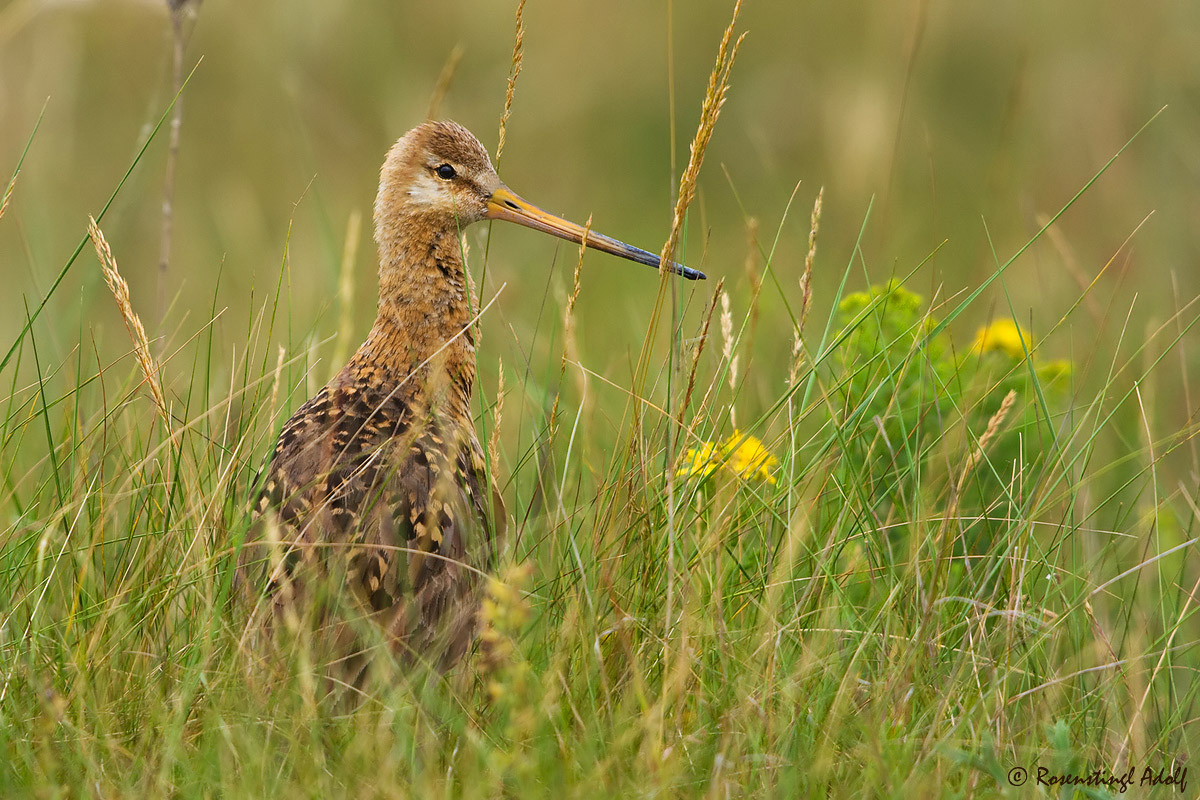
(445, 172)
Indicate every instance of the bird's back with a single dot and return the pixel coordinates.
(375, 518)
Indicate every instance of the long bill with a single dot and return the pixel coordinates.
(504, 204)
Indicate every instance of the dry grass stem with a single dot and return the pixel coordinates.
(1070, 262)
(727, 349)
(691, 385)
(797, 357)
(753, 276)
(710, 109)
(442, 87)
(809, 258)
(8, 192)
(570, 345)
(726, 327)
(514, 70)
(494, 439)
(805, 291)
(748, 265)
(179, 9)
(133, 324)
(570, 352)
(587, 229)
(275, 382)
(346, 289)
(990, 433)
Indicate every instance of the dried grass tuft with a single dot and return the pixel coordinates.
(710, 109)
(727, 350)
(990, 433)
(8, 192)
(797, 357)
(493, 448)
(809, 258)
(805, 290)
(570, 351)
(133, 323)
(691, 386)
(514, 70)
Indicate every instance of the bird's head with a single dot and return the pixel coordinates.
(438, 169)
(440, 172)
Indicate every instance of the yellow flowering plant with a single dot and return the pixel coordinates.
(740, 455)
(1003, 336)
(1006, 341)
(1004, 359)
(895, 382)
(902, 388)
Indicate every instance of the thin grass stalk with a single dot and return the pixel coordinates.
(518, 58)
(494, 440)
(755, 279)
(710, 109)
(62, 273)
(944, 539)
(8, 193)
(995, 422)
(346, 289)
(278, 374)
(570, 352)
(691, 384)
(731, 359)
(714, 99)
(178, 9)
(445, 79)
(809, 258)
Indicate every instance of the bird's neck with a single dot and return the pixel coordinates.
(422, 331)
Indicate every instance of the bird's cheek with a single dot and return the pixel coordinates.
(425, 193)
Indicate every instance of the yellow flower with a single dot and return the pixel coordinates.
(1003, 336)
(702, 461)
(750, 458)
(743, 455)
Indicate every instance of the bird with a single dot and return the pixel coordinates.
(376, 512)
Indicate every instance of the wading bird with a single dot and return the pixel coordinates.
(377, 515)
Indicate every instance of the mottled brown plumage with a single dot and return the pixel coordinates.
(376, 514)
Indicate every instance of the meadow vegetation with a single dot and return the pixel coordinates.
(847, 519)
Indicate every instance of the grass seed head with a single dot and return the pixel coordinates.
(133, 323)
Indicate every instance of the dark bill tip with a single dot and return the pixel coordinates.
(504, 204)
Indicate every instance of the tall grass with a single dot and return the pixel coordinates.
(952, 564)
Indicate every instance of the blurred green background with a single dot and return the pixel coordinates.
(955, 120)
